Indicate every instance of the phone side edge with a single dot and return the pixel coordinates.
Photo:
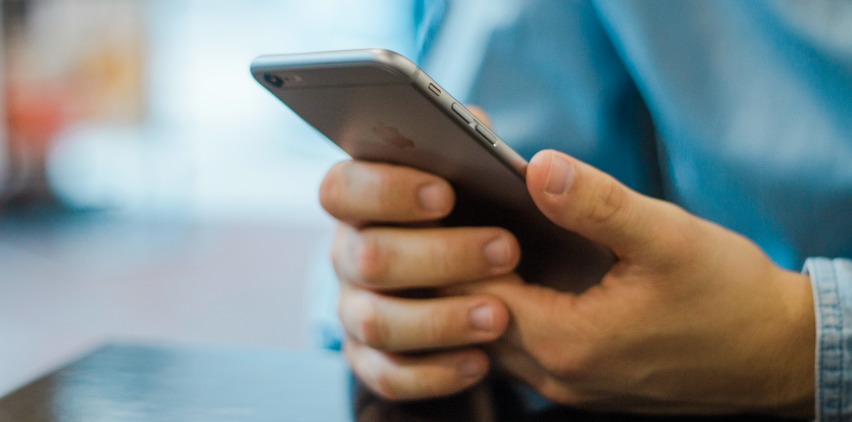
(387, 59)
(501, 149)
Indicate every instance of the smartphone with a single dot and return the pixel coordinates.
(379, 106)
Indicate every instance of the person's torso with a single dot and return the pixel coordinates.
(741, 112)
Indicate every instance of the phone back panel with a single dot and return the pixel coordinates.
(378, 106)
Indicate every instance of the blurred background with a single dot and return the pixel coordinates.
(150, 190)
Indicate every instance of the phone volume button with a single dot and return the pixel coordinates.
(463, 113)
(487, 134)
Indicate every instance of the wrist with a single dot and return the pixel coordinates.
(797, 345)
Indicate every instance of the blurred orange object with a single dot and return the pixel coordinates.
(67, 62)
(35, 116)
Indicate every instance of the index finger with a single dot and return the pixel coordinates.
(359, 191)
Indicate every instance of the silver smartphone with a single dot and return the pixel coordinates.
(379, 106)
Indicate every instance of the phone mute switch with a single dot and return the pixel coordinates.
(487, 134)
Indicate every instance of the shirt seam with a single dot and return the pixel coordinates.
(832, 351)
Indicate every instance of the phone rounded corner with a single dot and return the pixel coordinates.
(259, 63)
(253, 70)
(396, 62)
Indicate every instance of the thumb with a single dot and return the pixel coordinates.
(585, 200)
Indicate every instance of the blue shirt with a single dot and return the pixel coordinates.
(738, 111)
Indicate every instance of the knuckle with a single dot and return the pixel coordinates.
(369, 326)
(370, 262)
(687, 230)
(434, 330)
(441, 257)
(384, 384)
(682, 236)
(385, 192)
(378, 378)
(610, 203)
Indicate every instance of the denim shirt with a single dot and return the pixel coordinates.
(739, 111)
(832, 283)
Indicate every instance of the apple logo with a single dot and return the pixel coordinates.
(392, 136)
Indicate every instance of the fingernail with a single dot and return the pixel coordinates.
(482, 318)
(471, 368)
(432, 198)
(497, 252)
(560, 175)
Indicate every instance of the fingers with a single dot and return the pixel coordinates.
(533, 309)
(356, 191)
(583, 199)
(400, 258)
(410, 377)
(399, 324)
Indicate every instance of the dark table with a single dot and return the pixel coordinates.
(124, 382)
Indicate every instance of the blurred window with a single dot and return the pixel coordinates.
(147, 106)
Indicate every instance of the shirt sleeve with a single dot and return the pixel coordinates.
(832, 284)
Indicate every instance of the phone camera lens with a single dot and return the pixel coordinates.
(273, 80)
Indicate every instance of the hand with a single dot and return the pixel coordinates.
(692, 319)
(387, 245)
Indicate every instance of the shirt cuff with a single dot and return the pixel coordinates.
(832, 286)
